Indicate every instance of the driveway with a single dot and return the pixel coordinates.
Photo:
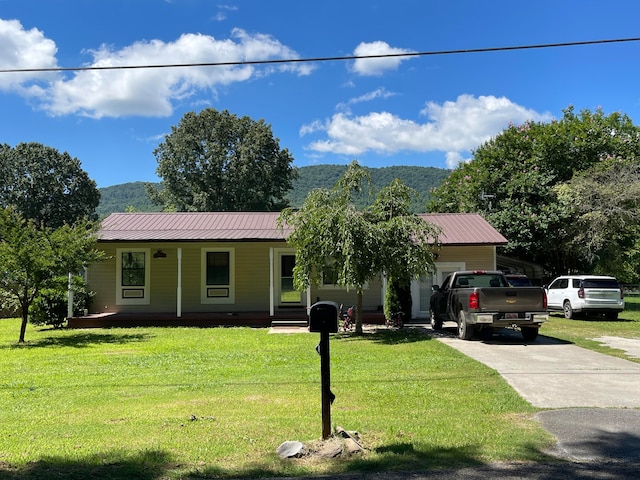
(550, 373)
(594, 397)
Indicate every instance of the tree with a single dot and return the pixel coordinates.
(407, 244)
(512, 181)
(359, 245)
(216, 161)
(45, 185)
(32, 256)
(604, 202)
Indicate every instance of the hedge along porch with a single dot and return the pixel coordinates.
(236, 268)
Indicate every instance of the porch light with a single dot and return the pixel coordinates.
(159, 254)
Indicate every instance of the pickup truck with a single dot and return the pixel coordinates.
(482, 300)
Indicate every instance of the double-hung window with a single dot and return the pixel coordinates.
(218, 276)
(133, 275)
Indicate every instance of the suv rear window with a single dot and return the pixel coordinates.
(600, 283)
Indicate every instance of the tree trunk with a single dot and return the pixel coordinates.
(23, 326)
(359, 311)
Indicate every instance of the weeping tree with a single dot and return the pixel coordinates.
(360, 244)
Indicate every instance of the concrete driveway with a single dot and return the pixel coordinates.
(595, 397)
(550, 373)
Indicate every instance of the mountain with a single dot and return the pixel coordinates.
(133, 196)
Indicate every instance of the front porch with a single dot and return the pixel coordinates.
(202, 319)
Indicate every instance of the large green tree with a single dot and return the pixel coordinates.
(359, 244)
(604, 204)
(217, 161)
(31, 256)
(513, 178)
(45, 185)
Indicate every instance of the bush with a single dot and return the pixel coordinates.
(8, 305)
(398, 298)
(50, 305)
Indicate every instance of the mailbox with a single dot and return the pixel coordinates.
(323, 317)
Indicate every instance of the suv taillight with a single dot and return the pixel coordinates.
(544, 300)
(581, 293)
(474, 300)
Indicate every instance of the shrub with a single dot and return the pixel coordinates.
(50, 305)
(398, 298)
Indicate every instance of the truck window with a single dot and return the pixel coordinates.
(600, 283)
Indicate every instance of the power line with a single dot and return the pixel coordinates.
(322, 59)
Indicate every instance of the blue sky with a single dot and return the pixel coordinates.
(419, 110)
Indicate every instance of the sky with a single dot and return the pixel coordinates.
(425, 110)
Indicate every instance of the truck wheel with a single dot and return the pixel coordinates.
(465, 331)
(436, 323)
(529, 333)
(568, 311)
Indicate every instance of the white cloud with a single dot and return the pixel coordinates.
(367, 97)
(137, 92)
(453, 127)
(24, 49)
(377, 66)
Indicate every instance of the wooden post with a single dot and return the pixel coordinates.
(325, 382)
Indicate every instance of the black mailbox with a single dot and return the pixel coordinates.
(323, 317)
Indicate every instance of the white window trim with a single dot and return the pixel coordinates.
(227, 300)
(146, 297)
(326, 286)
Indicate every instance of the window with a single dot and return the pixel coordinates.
(218, 268)
(329, 277)
(218, 276)
(133, 276)
(133, 268)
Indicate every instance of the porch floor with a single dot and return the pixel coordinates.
(200, 319)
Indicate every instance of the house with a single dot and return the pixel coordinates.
(236, 269)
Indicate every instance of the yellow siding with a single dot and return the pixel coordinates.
(252, 270)
(475, 257)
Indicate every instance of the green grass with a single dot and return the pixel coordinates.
(582, 332)
(154, 403)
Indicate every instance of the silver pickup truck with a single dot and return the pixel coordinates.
(481, 300)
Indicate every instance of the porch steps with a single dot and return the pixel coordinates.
(289, 323)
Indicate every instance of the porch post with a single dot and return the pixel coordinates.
(70, 297)
(271, 280)
(179, 292)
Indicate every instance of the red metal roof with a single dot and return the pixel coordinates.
(465, 229)
(458, 228)
(191, 226)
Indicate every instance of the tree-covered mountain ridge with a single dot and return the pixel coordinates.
(132, 196)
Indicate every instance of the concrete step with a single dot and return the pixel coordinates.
(289, 323)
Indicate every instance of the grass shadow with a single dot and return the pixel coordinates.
(82, 340)
(388, 336)
(149, 465)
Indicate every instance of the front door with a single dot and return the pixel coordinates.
(421, 290)
(287, 295)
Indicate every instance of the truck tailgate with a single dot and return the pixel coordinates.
(511, 299)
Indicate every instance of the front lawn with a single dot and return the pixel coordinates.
(582, 332)
(153, 403)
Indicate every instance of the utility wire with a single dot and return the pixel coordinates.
(322, 59)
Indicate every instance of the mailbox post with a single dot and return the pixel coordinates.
(323, 318)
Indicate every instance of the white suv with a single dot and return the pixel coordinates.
(585, 294)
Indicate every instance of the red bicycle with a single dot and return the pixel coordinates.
(348, 318)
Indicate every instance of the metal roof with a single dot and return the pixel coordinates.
(465, 229)
(458, 228)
